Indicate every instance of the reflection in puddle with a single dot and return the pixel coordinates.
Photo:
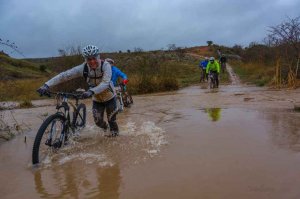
(214, 114)
(285, 130)
(74, 181)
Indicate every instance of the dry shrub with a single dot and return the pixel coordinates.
(26, 104)
(292, 79)
(20, 89)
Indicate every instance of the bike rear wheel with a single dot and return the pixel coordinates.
(79, 119)
(49, 137)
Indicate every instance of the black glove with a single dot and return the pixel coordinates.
(87, 94)
(43, 90)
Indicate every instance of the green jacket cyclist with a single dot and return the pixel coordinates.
(213, 67)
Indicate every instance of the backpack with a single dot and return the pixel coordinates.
(85, 72)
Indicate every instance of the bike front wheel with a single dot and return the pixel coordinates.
(127, 100)
(120, 104)
(49, 137)
(211, 83)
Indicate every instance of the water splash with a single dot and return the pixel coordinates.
(152, 136)
(136, 143)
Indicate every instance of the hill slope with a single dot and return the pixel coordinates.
(11, 69)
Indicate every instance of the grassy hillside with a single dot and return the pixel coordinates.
(19, 78)
(147, 72)
(11, 69)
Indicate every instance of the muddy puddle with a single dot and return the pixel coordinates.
(193, 143)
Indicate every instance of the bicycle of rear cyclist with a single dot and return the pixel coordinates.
(58, 127)
(124, 99)
(120, 103)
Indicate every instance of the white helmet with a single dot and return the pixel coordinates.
(90, 50)
(211, 59)
(206, 58)
(110, 60)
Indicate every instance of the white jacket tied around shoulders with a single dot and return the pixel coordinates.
(99, 80)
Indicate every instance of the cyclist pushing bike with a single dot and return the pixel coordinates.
(213, 68)
(123, 97)
(98, 75)
(116, 73)
(223, 61)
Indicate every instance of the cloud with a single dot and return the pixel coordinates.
(40, 28)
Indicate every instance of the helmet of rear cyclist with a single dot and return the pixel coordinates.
(111, 61)
(90, 51)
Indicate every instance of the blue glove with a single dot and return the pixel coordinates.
(43, 90)
(87, 94)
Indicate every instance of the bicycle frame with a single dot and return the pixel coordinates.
(64, 103)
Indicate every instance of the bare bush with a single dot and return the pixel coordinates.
(285, 38)
(11, 45)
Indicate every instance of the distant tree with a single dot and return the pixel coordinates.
(209, 43)
(138, 50)
(62, 52)
(171, 47)
(237, 49)
(70, 56)
(70, 51)
(120, 51)
(128, 51)
(180, 51)
(287, 32)
(252, 44)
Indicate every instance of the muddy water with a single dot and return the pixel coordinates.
(234, 142)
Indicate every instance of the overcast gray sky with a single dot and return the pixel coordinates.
(40, 27)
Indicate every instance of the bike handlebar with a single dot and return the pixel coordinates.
(66, 94)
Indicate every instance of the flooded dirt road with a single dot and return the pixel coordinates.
(234, 142)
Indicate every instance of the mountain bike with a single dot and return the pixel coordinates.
(212, 79)
(58, 127)
(124, 99)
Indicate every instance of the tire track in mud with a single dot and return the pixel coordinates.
(235, 80)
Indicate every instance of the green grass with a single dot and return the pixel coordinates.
(20, 90)
(11, 68)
